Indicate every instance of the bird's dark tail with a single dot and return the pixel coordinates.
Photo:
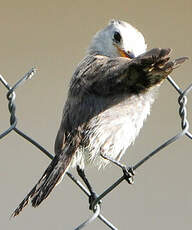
(50, 178)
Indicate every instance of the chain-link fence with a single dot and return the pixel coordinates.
(182, 101)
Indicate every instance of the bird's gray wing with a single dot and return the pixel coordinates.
(108, 76)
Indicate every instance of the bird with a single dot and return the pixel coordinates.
(110, 96)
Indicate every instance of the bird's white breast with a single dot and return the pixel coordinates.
(115, 129)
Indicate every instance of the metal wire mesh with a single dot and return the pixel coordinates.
(182, 101)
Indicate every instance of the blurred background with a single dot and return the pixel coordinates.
(53, 36)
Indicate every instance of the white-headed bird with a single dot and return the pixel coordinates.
(109, 98)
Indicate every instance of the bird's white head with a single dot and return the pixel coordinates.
(118, 39)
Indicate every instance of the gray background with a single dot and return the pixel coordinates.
(53, 36)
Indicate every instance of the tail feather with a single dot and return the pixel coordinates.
(50, 180)
(47, 182)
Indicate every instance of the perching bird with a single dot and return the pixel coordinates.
(110, 96)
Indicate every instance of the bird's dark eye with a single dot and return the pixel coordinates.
(117, 37)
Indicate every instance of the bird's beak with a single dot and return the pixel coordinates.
(125, 54)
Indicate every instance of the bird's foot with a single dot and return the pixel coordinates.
(127, 171)
(92, 198)
(128, 174)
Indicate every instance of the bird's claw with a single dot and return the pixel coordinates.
(92, 198)
(128, 174)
